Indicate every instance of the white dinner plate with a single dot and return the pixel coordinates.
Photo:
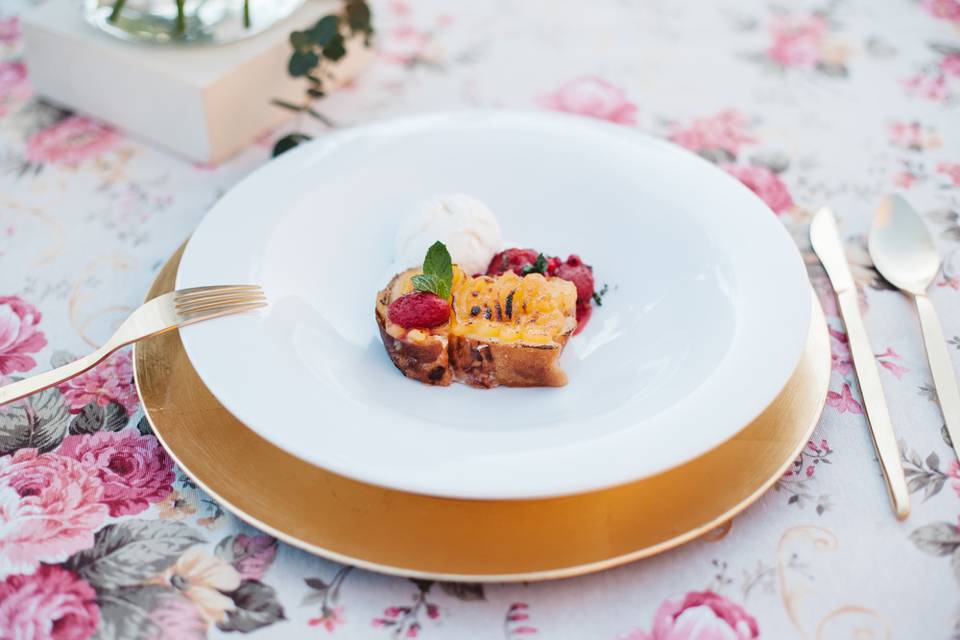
(706, 316)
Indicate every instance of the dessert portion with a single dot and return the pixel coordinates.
(474, 313)
(485, 330)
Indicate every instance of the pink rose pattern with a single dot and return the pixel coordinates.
(50, 507)
(177, 619)
(19, 336)
(411, 44)
(14, 88)
(724, 132)
(593, 97)
(52, 603)
(796, 40)
(135, 470)
(699, 615)
(56, 502)
(948, 10)
(70, 141)
(938, 79)
(765, 183)
(807, 41)
(9, 29)
(404, 45)
(110, 381)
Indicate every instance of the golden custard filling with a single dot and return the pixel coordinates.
(508, 308)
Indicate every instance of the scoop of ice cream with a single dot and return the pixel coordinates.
(463, 223)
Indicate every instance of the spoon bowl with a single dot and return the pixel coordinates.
(901, 246)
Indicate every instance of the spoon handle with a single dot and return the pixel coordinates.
(941, 366)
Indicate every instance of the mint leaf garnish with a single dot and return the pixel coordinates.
(431, 284)
(437, 275)
(540, 266)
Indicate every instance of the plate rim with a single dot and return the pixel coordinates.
(532, 489)
(818, 339)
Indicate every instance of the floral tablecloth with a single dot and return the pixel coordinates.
(807, 103)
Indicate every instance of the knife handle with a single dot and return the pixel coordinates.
(942, 368)
(878, 417)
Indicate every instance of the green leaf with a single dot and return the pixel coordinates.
(60, 358)
(358, 16)
(431, 284)
(334, 50)
(144, 427)
(251, 556)
(945, 49)
(93, 418)
(423, 585)
(598, 298)
(39, 421)
(288, 142)
(129, 553)
(324, 31)
(301, 63)
(138, 613)
(466, 591)
(937, 539)
(256, 606)
(316, 583)
(438, 262)
(955, 565)
(539, 266)
(300, 40)
(437, 275)
(832, 69)
(283, 104)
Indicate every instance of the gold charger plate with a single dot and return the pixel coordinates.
(475, 540)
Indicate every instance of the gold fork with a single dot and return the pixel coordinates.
(164, 313)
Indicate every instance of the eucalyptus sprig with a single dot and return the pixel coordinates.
(314, 49)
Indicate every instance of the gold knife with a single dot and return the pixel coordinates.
(827, 245)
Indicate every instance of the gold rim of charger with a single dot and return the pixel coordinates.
(413, 535)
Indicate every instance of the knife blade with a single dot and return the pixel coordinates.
(826, 243)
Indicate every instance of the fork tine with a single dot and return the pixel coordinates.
(215, 304)
(195, 292)
(216, 312)
(219, 297)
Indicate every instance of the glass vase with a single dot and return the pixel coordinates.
(187, 21)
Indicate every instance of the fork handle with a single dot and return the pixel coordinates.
(23, 388)
(941, 367)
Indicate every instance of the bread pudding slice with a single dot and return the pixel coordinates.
(503, 330)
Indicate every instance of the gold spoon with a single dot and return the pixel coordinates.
(903, 251)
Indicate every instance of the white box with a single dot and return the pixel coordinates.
(204, 102)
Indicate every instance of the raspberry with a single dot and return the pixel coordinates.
(553, 263)
(512, 260)
(581, 275)
(419, 309)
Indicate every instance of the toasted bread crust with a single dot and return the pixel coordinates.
(488, 364)
(426, 361)
(441, 359)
